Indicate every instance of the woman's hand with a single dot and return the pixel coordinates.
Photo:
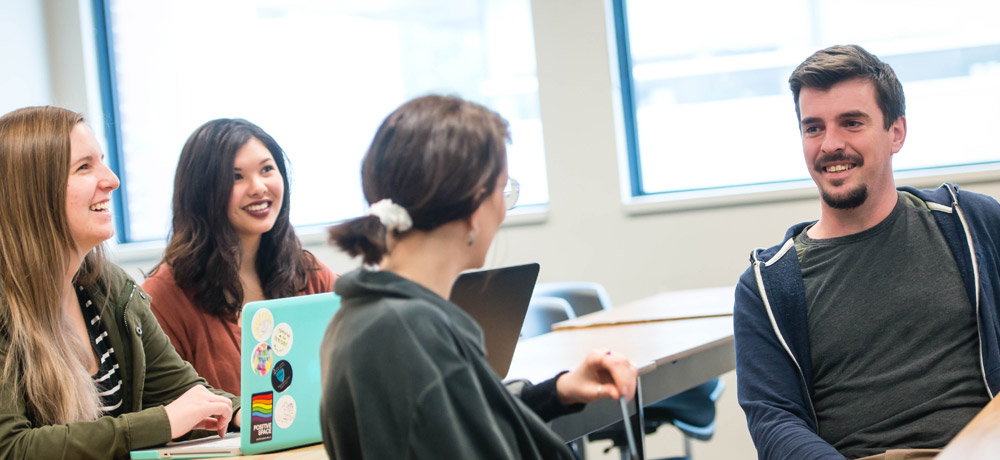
(199, 409)
(602, 374)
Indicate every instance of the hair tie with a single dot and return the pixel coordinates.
(392, 215)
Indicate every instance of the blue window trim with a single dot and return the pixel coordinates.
(109, 106)
(628, 97)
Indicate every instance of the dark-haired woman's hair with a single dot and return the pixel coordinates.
(438, 157)
(204, 249)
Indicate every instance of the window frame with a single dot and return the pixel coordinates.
(109, 106)
(639, 201)
(312, 233)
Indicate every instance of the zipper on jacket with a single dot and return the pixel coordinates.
(137, 396)
(774, 324)
(975, 276)
(125, 308)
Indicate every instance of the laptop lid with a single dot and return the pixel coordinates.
(498, 300)
(280, 384)
(279, 380)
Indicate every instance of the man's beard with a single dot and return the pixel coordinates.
(851, 200)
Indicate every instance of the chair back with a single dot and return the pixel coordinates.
(583, 297)
(543, 312)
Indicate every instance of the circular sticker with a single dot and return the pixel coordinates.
(284, 411)
(281, 340)
(262, 324)
(281, 376)
(261, 359)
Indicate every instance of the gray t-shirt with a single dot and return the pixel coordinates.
(893, 335)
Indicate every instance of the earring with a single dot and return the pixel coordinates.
(472, 238)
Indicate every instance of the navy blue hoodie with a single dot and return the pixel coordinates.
(772, 344)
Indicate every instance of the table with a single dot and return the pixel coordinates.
(672, 356)
(667, 306)
(979, 439)
(313, 452)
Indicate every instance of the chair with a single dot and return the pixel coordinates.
(691, 411)
(584, 297)
(543, 312)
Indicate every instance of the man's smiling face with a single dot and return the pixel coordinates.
(847, 149)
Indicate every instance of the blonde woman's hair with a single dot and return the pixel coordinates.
(45, 359)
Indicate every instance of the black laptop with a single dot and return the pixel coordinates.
(498, 300)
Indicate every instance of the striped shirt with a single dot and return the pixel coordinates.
(107, 378)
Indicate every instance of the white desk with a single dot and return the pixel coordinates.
(980, 439)
(672, 356)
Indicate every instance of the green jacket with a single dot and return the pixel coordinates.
(152, 375)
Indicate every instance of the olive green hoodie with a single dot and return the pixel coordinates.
(152, 375)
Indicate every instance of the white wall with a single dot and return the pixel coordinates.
(47, 57)
(24, 78)
(586, 233)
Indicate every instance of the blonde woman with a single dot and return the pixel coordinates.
(87, 372)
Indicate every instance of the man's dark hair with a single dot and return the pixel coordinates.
(835, 64)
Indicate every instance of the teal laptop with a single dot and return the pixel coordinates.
(279, 381)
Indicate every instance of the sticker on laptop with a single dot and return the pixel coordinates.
(261, 359)
(284, 411)
(262, 324)
(281, 340)
(261, 416)
(281, 376)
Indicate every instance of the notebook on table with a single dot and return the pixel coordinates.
(498, 300)
(279, 380)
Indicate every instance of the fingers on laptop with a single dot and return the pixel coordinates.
(199, 408)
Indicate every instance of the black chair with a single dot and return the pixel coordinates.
(691, 411)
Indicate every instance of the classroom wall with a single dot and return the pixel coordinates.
(23, 49)
(584, 234)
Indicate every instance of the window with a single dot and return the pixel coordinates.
(712, 108)
(318, 76)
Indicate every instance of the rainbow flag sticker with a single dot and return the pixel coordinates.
(261, 415)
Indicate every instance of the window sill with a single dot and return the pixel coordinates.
(804, 189)
(312, 235)
(132, 253)
(526, 215)
(520, 216)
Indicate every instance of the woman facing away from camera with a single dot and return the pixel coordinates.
(231, 243)
(87, 371)
(404, 372)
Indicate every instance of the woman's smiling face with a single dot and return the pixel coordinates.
(88, 191)
(258, 190)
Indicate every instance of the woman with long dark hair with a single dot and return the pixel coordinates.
(87, 371)
(231, 243)
(404, 371)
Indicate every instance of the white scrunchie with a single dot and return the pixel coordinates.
(392, 215)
